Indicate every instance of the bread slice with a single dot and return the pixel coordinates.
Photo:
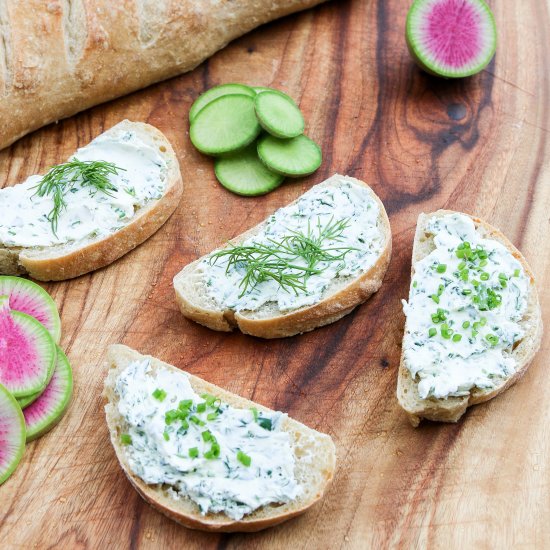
(313, 476)
(55, 263)
(339, 299)
(451, 409)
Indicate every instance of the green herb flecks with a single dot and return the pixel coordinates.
(289, 261)
(62, 178)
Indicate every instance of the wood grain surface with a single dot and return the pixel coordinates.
(479, 145)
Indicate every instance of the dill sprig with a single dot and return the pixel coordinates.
(289, 261)
(63, 177)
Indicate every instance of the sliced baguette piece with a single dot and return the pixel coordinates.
(451, 409)
(55, 263)
(339, 299)
(305, 441)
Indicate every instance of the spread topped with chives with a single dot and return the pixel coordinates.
(223, 458)
(466, 301)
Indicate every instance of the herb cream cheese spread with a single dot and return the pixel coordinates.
(89, 212)
(328, 233)
(223, 458)
(466, 302)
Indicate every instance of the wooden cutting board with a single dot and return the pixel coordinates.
(479, 145)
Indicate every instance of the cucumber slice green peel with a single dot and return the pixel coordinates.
(225, 125)
(12, 434)
(294, 157)
(279, 115)
(244, 174)
(217, 91)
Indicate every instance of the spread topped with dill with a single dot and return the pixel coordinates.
(467, 299)
(95, 193)
(330, 232)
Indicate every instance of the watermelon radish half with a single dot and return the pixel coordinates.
(27, 352)
(42, 415)
(32, 299)
(12, 434)
(451, 38)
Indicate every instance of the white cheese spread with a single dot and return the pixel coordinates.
(223, 458)
(360, 243)
(90, 212)
(466, 302)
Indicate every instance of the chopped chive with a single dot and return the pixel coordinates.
(466, 291)
(159, 394)
(126, 439)
(484, 276)
(492, 339)
(197, 421)
(483, 263)
(465, 324)
(461, 266)
(193, 452)
(201, 407)
(212, 416)
(432, 332)
(166, 436)
(483, 321)
(244, 459)
(474, 333)
(254, 413)
(464, 274)
(185, 404)
(206, 435)
(440, 290)
(457, 337)
(415, 284)
(441, 268)
(516, 273)
(435, 298)
(171, 415)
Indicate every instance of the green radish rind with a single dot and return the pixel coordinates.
(293, 157)
(14, 287)
(225, 125)
(429, 67)
(62, 385)
(279, 115)
(10, 411)
(218, 91)
(45, 348)
(244, 174)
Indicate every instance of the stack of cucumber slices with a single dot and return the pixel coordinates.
(36, 380)
(256, 135)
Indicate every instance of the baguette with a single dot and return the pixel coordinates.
(451, 408)
(341, 296)
(60, 57)
(76, 257)
(313, 476)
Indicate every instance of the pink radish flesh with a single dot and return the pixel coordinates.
(26, 352)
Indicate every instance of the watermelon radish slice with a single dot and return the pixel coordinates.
(451, 38)
(27, 352)
(42, 415)
(12, 434)
(32, 299)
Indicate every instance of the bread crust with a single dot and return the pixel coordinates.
(62, 262)
(451, 409)
(118, 357)
(63, 57)
(304, 319)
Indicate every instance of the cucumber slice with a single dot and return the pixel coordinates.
(279, 115)
(293, 157)
(225, 125)
(244, 174)
(217, 91)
